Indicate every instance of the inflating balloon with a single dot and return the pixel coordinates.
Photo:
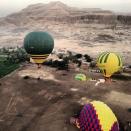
(80, 77)
(97, 116)
(109, 63)
(39, 45)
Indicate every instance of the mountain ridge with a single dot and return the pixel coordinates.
(55, 11)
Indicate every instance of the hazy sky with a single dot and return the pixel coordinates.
(9, 6)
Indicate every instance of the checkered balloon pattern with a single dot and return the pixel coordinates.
(97, 116)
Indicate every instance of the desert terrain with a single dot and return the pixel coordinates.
(80, 38)
(46, 104)
(34, 104)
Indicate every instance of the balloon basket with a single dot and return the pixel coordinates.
(39, 66)
(108, 80)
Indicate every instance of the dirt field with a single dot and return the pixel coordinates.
(47, 104)
(91, 39)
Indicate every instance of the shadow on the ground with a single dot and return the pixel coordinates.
(121, 77)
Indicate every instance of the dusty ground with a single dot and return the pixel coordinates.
(47, 104)
(83, 38)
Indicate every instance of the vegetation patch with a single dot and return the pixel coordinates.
(7, 68)
(10, 59)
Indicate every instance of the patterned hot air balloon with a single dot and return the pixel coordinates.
(109, 63)
(97, 116)
(39, 45)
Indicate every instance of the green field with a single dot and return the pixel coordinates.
(7, 68)
(10, 59)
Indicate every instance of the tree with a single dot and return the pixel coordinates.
(88, 58)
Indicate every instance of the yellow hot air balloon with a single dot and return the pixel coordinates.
(96, 116)
(109, 63)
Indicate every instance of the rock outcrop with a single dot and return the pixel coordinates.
(57, 11)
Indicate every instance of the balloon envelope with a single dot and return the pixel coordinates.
(39, 45)
(80, 77)
(97, 116)
(109, 63)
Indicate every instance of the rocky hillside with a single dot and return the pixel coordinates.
(57, 11)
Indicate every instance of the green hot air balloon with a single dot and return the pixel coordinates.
(39, 45)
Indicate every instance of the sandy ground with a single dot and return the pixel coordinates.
(94, 50)
(48, 103)
(89, 39)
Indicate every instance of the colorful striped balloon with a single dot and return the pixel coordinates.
(97, 116)
(109, 63)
